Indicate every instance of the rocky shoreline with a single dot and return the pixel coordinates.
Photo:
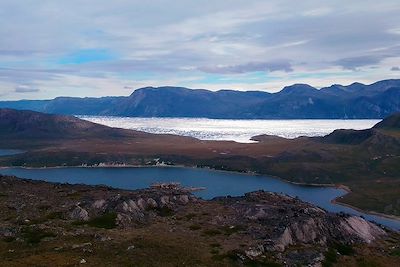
(335, 201)
(258, 228)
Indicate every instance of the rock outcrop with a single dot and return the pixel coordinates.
(137, 207)
(263, 223)
(284, 221)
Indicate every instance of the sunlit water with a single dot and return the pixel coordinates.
(236, 130)
(217, 183)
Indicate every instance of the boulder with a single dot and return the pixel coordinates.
(79, 214)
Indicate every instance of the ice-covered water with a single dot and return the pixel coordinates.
(236, 130)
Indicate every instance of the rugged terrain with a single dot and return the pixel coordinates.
(297, 101)
(49, 224)
(367, 161)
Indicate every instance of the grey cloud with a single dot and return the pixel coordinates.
(250, 67)
(27, 76)
(374, 57)
(395, 69)
(352, 63)
(170, 62)
(26, 89)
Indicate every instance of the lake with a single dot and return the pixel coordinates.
(235, 130)
(217, 183)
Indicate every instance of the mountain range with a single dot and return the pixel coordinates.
(298, 101)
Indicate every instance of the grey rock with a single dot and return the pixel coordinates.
(152, 203)
(184, 199)
(79, 214)
(164, 201)
(141, 203)
(99, 204)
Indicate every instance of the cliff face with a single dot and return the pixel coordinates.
(254, 228)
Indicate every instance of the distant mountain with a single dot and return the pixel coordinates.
(297, 101)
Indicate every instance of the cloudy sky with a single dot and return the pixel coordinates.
(96, 48)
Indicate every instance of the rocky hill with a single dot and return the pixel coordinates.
(297, 101)
(370, 139)
(390, 123)
(31, 124)
(59, 224)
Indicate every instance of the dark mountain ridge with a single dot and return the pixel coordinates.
(298, 101)
(392, 122)
(36, 125)
(372, 138)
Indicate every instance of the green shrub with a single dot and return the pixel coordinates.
(54, 215)
(165, 211)
(35, 235)
(228, 230)
(212, 232)
(106, 221)
(195, 227)
(344, 249)
(395, 252)
(8, 239)
(330, 258)
(190, 216)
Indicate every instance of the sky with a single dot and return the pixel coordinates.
(97, 48)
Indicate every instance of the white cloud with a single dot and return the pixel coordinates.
(317, 12)
(394, 31)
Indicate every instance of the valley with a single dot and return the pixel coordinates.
(365, 161)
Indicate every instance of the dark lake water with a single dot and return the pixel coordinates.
(217, 183)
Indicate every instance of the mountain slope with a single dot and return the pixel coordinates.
(391, 122)
(378, 141)
(31, 124)
(297, 101)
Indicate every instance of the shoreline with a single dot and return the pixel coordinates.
(335, 201)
